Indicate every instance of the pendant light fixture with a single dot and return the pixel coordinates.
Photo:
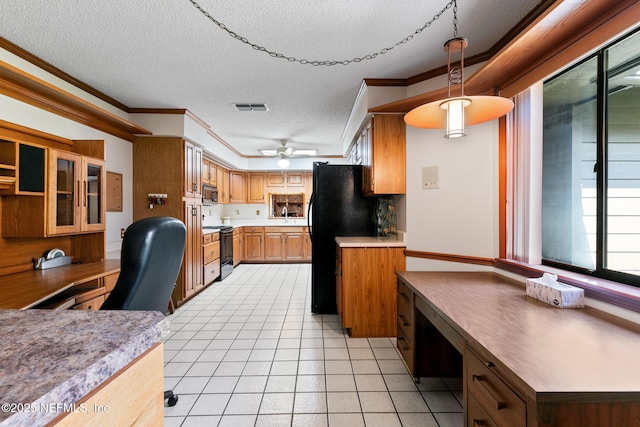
(456, 112)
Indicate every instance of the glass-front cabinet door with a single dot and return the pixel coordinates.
(64, 193)
(93, 197)
(77, 188)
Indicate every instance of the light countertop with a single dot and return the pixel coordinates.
(57, 357)
(370, 242)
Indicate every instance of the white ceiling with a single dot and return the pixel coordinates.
(167, 54)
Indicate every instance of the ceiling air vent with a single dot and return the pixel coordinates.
(251, 107)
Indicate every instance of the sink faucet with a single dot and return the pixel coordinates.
(285, 214)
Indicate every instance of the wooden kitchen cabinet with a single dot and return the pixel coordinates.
(276, 181)
(238, 245)
(222, 181)
(209, 172)
(192, 170)
(211, 257)
(383, 146)
(284, 243)
(193, 262)
(237, 187)
(256, 187)
(366, 289)
(253, 244)
(73, 203)
(167, 176)
(273, 245)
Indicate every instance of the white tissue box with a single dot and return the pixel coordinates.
(548, 289)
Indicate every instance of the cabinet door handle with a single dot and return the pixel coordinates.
(78, 195)
(86, 195)
(498, 404)
(403, 296)
(478, 423)
(404, 320)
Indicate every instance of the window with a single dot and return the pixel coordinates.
(591, 165)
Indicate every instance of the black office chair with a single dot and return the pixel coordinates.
(152, 251)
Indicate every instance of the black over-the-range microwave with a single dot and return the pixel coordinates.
(209, 195)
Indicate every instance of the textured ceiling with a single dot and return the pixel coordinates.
(167, 54)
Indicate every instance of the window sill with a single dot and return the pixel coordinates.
(618, 294)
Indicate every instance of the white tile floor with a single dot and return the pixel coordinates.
(248, 352)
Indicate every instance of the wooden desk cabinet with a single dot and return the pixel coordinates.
(525, 363)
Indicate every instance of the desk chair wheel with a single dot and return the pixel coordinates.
(172, 399)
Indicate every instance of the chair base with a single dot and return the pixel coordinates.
(171, 398)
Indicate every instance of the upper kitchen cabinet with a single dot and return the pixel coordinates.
(383, 151)
(256, 187)
(285, 182)
(222, 179)
(209, 172)
(237, 187)
(192, 170)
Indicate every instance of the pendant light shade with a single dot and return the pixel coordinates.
(457, 112)
(479, 110)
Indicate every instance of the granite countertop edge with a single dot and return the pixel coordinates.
(90, 377)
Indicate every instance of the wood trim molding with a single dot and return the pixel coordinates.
(27, 88)
(546, 42)
(450, 257)
(27, 56)
(8, 129)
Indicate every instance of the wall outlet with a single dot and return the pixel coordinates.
(430, 177)
(122, 233)
(257, 211)
(237, 212)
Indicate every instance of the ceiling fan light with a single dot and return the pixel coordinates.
(283, 162)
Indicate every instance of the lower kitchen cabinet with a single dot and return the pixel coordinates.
(284, 243)
(211, 257)
(238, 245)
(253, 244)
(277, 244)
(366, 289)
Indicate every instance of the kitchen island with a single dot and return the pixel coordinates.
(81, 367)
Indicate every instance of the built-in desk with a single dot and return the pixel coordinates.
(27, 289)
(525, 363)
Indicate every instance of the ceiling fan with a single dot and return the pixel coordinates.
(284, 153)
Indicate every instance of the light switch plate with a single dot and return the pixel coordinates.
(430, 177)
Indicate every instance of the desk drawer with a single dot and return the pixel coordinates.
(405, 308)
(406, 348)
(499, 401)
(476, 415)
(110, 281)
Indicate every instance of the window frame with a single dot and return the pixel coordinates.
(602, 148)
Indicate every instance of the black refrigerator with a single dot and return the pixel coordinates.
(337, 208)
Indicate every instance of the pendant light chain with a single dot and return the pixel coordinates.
(455, 19)
(328, 63)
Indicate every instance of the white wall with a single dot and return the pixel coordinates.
(460, 217)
